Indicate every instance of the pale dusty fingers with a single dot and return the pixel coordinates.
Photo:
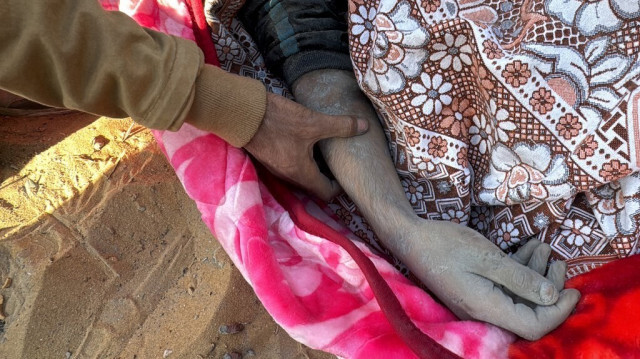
(557, 274)
(535, 255)
(524, 253)
(524, 321)
(540, 258)
(522, 281)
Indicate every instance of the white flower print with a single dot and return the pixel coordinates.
(609, 198)
(227, 49)
(523, 173)
(481, 134)
(424, 165)
(576, 232)
(454, 51)
(616, 205)
(590, 73)
(501, 121)
(413, 190)
(508, 235)
(480, 218)
(398, 51)
(363, 23)
(594, 17)
(623, 222)
(455, 216)
(431, 94)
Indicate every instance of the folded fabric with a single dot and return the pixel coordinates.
(606, 323)
(518, 119)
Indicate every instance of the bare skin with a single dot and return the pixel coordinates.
(285, 139)
(467, 272)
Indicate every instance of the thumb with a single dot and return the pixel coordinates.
(343, 126)
(310, 178)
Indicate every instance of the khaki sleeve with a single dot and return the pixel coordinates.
(238, 116)
(74, 54)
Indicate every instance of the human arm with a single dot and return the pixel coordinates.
(460, 266)
(456, 263)
(74, 54)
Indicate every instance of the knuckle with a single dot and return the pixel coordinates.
(307, 125)
(529, 330)
(290, 172)
(561, 268)
(494, 258)
(351, 124)
(519, 279)
(344, 125)
(545, 247)
(533, 333)
(528, 335)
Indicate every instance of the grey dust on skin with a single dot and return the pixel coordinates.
(467, 272)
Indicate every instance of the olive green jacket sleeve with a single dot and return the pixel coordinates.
(74, 54)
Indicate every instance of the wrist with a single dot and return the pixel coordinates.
(395, 227)
(229, 105)
(400, 236)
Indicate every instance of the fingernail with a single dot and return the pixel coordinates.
(547, 293)
(363, 126)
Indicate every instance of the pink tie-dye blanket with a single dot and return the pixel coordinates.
(324, 295)
(311, 286)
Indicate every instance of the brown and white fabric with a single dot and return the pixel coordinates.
(518, 118)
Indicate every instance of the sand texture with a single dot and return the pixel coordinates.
(107, 256)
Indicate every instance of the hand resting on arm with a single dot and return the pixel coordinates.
(285, 139)
(474, 278)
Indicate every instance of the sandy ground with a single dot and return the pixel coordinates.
(107, 256)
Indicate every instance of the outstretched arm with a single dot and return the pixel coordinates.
(460, 266)
(467, 272)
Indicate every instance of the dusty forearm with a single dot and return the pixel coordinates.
(362, 164)
(456, 263)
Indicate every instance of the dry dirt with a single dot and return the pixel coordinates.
(107, 255)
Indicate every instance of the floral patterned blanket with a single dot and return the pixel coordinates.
(518, 118)
(324, 288)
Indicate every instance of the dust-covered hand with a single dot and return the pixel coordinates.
(285, 139)
(466, 271)
(477, 280)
